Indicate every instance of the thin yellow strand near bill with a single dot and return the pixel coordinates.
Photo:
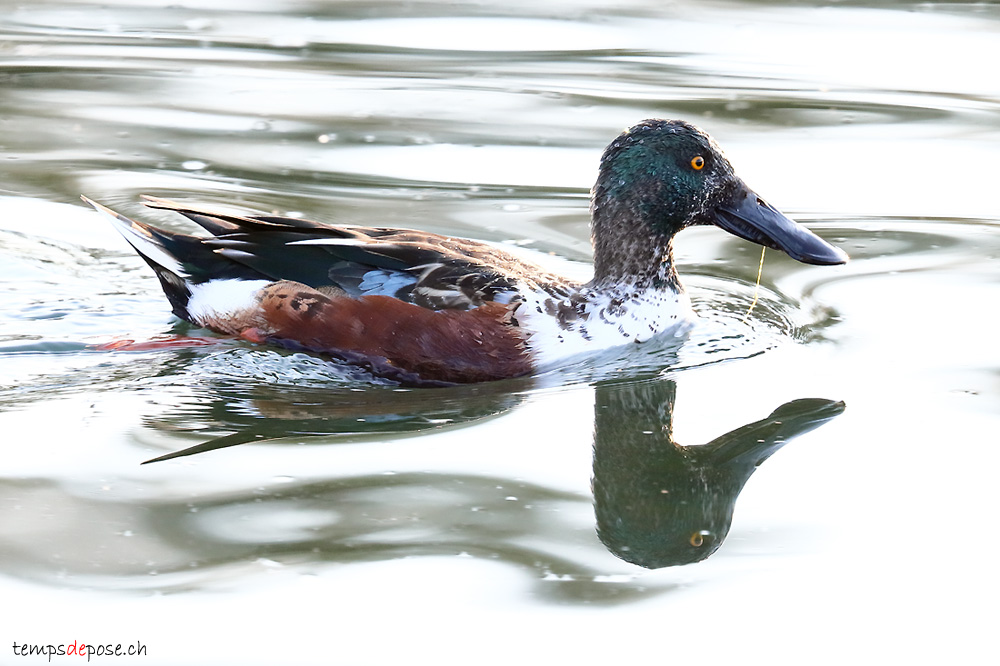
(756, 287)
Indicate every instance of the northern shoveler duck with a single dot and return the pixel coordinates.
(428, 309)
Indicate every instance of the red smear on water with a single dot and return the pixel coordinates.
(174, 342)
(253, 335)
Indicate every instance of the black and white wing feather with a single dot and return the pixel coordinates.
(429, 270)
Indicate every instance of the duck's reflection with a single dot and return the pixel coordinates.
(264, 412)
(657, 503)
(660, 504)
(235, 395)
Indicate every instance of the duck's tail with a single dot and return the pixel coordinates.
(175, 258)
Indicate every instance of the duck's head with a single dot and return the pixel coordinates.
(664, 175)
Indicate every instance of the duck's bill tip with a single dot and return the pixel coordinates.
(820, 255)
(748, 216)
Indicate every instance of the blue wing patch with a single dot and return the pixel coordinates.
(386, 283)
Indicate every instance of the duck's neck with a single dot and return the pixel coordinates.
(627, 251)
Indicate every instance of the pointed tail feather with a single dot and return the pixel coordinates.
(217, 222)
(185, 265)
(153, 246)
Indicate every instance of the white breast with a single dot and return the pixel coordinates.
(601, 321)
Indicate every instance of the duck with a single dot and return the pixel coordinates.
(424, 309)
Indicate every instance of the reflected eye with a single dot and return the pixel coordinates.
(698, 538)
(697, 163)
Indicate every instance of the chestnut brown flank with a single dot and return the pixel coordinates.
(461, 346)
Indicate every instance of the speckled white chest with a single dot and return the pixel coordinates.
(602, 320)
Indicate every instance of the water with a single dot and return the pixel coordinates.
(325, 517)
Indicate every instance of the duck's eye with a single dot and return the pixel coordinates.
(698, 538)
(697, 163)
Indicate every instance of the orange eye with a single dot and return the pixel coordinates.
(697, 163)
(697, 538)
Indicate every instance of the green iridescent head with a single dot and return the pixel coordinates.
(661, 176)
(668, 171)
